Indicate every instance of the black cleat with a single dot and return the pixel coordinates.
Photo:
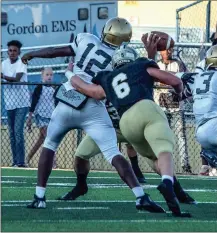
(210, 156)
(170, 199)
(74, 194)
(37, 203)
(182, 196)
(145, 203)
(142, 180)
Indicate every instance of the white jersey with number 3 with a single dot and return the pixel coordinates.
(91, 56)
(205, 96)
(203, 88)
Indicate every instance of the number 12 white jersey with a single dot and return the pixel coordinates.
(203, 87)
(91, 56)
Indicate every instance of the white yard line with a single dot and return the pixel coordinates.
(82, 208)
(126, 221)
(96, 201)
(12, 182)
(105, 186)
(12, 205)
(111, 177)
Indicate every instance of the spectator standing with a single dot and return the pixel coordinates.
(17, 100)
(168, 63)
(42, 106)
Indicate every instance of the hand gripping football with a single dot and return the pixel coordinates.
(165, 43)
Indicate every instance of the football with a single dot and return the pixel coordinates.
(165, 43)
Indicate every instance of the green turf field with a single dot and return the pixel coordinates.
(108, 206)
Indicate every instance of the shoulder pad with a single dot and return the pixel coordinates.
(84, 36)
(148, 62)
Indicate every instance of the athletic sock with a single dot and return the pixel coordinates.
(40, 191)
(177, 185)
(81, 179)
(135, 166)
(168, 181)
(138, 191)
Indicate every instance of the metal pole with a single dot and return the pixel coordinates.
(208, 14)
(177, 26)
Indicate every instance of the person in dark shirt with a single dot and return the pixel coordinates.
(129, 87)
(42, 106)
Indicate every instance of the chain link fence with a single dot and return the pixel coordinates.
(195, 23)
(187, 150)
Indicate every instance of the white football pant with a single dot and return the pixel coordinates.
(93, 118)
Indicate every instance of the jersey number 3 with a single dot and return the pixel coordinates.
(93, 61)
(207, 79)
(120, 85)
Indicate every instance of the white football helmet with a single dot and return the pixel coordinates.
(122, 55)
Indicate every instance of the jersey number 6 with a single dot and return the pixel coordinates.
(120, 85)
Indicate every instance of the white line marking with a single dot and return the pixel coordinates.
(124, 221)
(96, 201)
(112, 177)
(12, 205)
(82, 208)
(106, 186)
(13, 182)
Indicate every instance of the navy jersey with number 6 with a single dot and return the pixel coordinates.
(128, 84)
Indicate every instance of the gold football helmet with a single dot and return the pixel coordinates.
(211, 57)
(116, 31)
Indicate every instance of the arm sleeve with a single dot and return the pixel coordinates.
(35, 97)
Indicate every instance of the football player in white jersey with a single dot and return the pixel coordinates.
(74, 110)
(203, 87)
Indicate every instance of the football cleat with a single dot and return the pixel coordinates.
(172, 201)
(145, 203)
(76, 192)
(210, 157)
(37, 203)
(204, 170)
(182, 196)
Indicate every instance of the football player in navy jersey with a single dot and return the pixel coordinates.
(129, 87)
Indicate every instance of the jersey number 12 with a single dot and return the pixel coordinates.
(93, 61)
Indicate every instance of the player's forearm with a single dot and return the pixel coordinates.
(91, 90)
(52, 52)
(178, 88)
(166, 78)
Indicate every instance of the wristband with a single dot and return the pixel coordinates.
(69, 74)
